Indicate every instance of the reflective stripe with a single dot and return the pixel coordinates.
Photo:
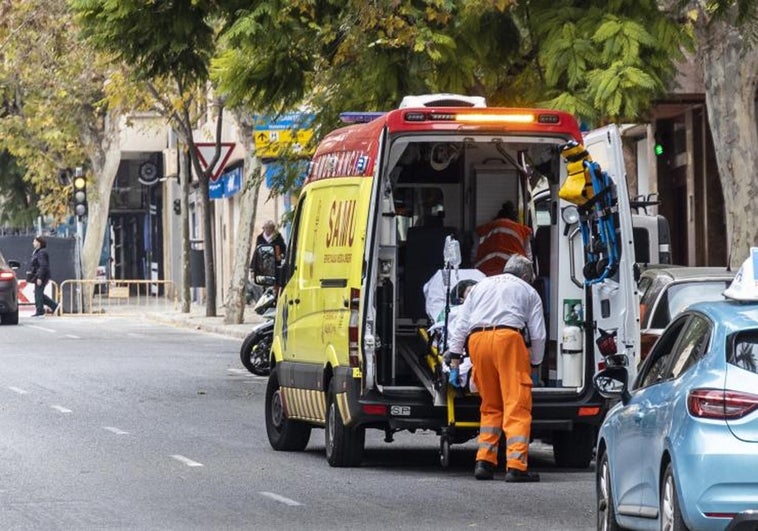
(494, 430)
(517, 455)
(516, 439)
(506, 231)
(488, 447)
(490, 256)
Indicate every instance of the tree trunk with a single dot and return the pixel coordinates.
(104, 153)
(235, 299)
(210, 261)
(730, 66)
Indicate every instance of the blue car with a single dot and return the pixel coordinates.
(680, 448)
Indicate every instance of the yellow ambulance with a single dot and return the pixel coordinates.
(381, 197)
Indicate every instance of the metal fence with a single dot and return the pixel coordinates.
(118, 296)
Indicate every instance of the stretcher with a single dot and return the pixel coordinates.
(461, 405)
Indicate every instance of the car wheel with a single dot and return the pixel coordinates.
(573, 449)
(283, 434)
(671, 514)
(344, 444)
(606, 514)
(9, 318)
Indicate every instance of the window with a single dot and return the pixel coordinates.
(681, 294)
(654, 367)
(422, 206)
(692, 346)
(744, 352)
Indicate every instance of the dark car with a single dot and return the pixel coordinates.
(666, 291)
(8, 291)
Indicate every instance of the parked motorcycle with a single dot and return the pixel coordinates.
(256, 348)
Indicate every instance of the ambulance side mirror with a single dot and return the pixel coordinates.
(264, 265)
(14, 264)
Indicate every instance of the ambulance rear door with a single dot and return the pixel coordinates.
(615, 310)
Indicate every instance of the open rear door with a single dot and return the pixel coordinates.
(614, 300)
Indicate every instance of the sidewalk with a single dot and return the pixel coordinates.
(197, 320)
(170, 313)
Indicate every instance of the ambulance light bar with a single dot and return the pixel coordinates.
(360, 117)
(514, 118)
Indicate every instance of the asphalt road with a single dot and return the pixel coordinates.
(118, 423)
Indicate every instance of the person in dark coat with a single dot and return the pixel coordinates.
(39, 274)
(271, 236)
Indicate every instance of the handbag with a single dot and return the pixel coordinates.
(30, 276)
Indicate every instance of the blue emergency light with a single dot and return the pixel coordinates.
(360, 117)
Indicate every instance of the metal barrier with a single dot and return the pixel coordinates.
(118, 296)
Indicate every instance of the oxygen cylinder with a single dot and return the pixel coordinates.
(571, 356)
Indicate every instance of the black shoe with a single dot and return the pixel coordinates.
(484, 470)
(521, 476)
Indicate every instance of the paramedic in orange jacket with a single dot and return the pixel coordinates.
(500, 239)
(489, 324)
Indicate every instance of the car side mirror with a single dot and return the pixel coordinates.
(264, 265)
(14, 264)
(612, 383)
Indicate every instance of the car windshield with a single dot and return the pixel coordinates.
(681, 294)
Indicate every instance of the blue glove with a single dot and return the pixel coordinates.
(453, 377)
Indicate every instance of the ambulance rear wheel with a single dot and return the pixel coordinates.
(283, 434)
(344, 444)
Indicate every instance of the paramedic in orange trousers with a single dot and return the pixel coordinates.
(489, 324)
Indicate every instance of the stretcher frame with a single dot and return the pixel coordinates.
(454, 431)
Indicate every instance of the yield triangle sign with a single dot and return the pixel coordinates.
(205, 152)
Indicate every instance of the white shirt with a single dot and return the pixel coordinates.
(501, 300)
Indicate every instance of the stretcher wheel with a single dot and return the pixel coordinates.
(444, 452)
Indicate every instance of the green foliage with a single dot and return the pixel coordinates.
(17, 198)
(346, 54)
(613, 57)
(52, 89)
(156, 38)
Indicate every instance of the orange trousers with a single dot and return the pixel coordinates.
(502, 374)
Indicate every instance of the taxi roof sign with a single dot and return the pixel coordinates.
(744, 287)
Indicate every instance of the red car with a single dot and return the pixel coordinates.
(666, 291)
(8, 291)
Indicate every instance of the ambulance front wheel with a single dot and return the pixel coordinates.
(283, 434)
(344, 444)
(444, 452)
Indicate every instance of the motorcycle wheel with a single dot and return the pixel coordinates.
(256, 352)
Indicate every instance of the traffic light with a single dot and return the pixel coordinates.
(80, 194)
(658, 149)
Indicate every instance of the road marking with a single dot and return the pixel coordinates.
(18, 390)
(186, 460)
(239, 371)
(279, 498)
(72, 336)
(42, 328)
(115, 430)
(60, 408)
(132, 334)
